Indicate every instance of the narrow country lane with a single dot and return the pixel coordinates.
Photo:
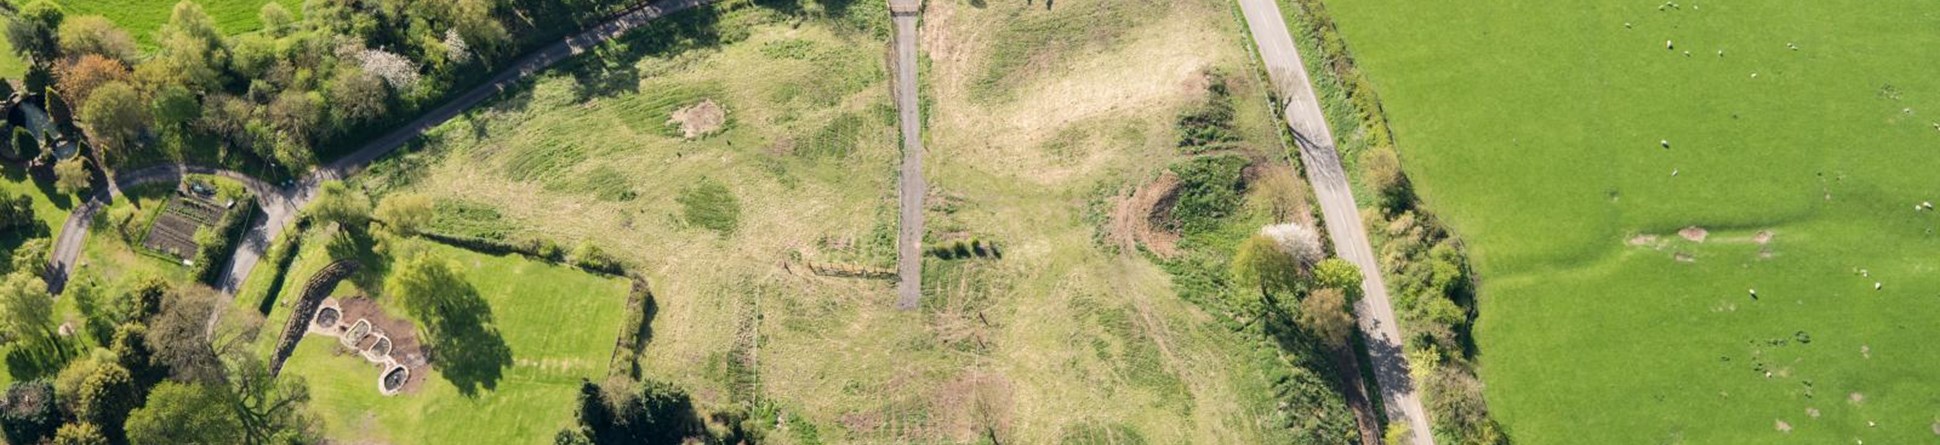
(1344, 226)
(281, 204)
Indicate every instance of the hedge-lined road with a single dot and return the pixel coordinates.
(1344, 227)
(280, 204)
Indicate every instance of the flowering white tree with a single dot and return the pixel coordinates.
(398, 71)
(1298, 241)
(455, 47)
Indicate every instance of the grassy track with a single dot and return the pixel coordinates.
(558, 322)
(1539, 140)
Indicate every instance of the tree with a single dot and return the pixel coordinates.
(114, 117)
(337, 202)
(1260, 264)
(180, 335)
(17, 212)
(80, 433)
(1338, 274)
(1382, 166)
(174, 106)
(34, 32)
(1299, 241)
(358, 96)
(28, 414)
(1325, 312)
(79, 78)
(277, 21)
(427, 285)
(654, 413)
(98, 391)
(297, 114)
(270, 409)
(405, 213)
(185, 413)
(192, 51)
(71, 176)
(26, 311)
(93, 34)
(24, 145)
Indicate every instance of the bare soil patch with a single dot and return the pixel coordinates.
(1694, 233)
(1642, 240)
(699, 119)
(1683, 257)
(1139, 219)
(1783, 427)
(403, 336)
(1763, 237)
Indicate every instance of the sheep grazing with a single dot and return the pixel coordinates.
(1626, 25)
(1687, 54)
(1721, 53)
(1754, 294)
(1668, 45)
(1664, 142)
(1673, 172)
(1877, 285)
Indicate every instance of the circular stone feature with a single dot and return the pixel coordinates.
(379, 349)
(394, 379)
(327, 317)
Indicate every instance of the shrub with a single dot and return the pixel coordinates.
(1209, 190)
(213, 252)
(1382, 168)
(1210, 126)
(590, 257)
(71, 175)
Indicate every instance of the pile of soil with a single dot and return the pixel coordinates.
(699, 119)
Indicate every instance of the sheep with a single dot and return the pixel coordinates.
(1668, 45)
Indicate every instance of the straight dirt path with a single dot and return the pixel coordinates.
(1344, 227)
(909, 187)
(280, 204)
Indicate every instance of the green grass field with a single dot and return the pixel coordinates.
(1539, 139)
(559, 322)
(142, 18)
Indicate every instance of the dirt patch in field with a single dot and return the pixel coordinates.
(1694, 234)
(1139, 219)
(1763, 237)
(1642, 240)
(1682, 257)
(1783, 427)
(699, 119)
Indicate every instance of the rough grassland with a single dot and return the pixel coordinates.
(558, 322)
(1097, 343)
(1535, 129)
(1058, 340)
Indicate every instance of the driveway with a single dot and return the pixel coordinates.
(1344, 227)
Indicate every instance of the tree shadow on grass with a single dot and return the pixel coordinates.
(465, 344)
(612, 69)
(360, 246)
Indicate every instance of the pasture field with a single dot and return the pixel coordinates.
(1062, 339)
(1569, 145)
(557, 322)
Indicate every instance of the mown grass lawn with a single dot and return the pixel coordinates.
(1535, 129)
(560, 324)
(143, 18)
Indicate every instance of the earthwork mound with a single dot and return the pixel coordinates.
(1142, 218)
